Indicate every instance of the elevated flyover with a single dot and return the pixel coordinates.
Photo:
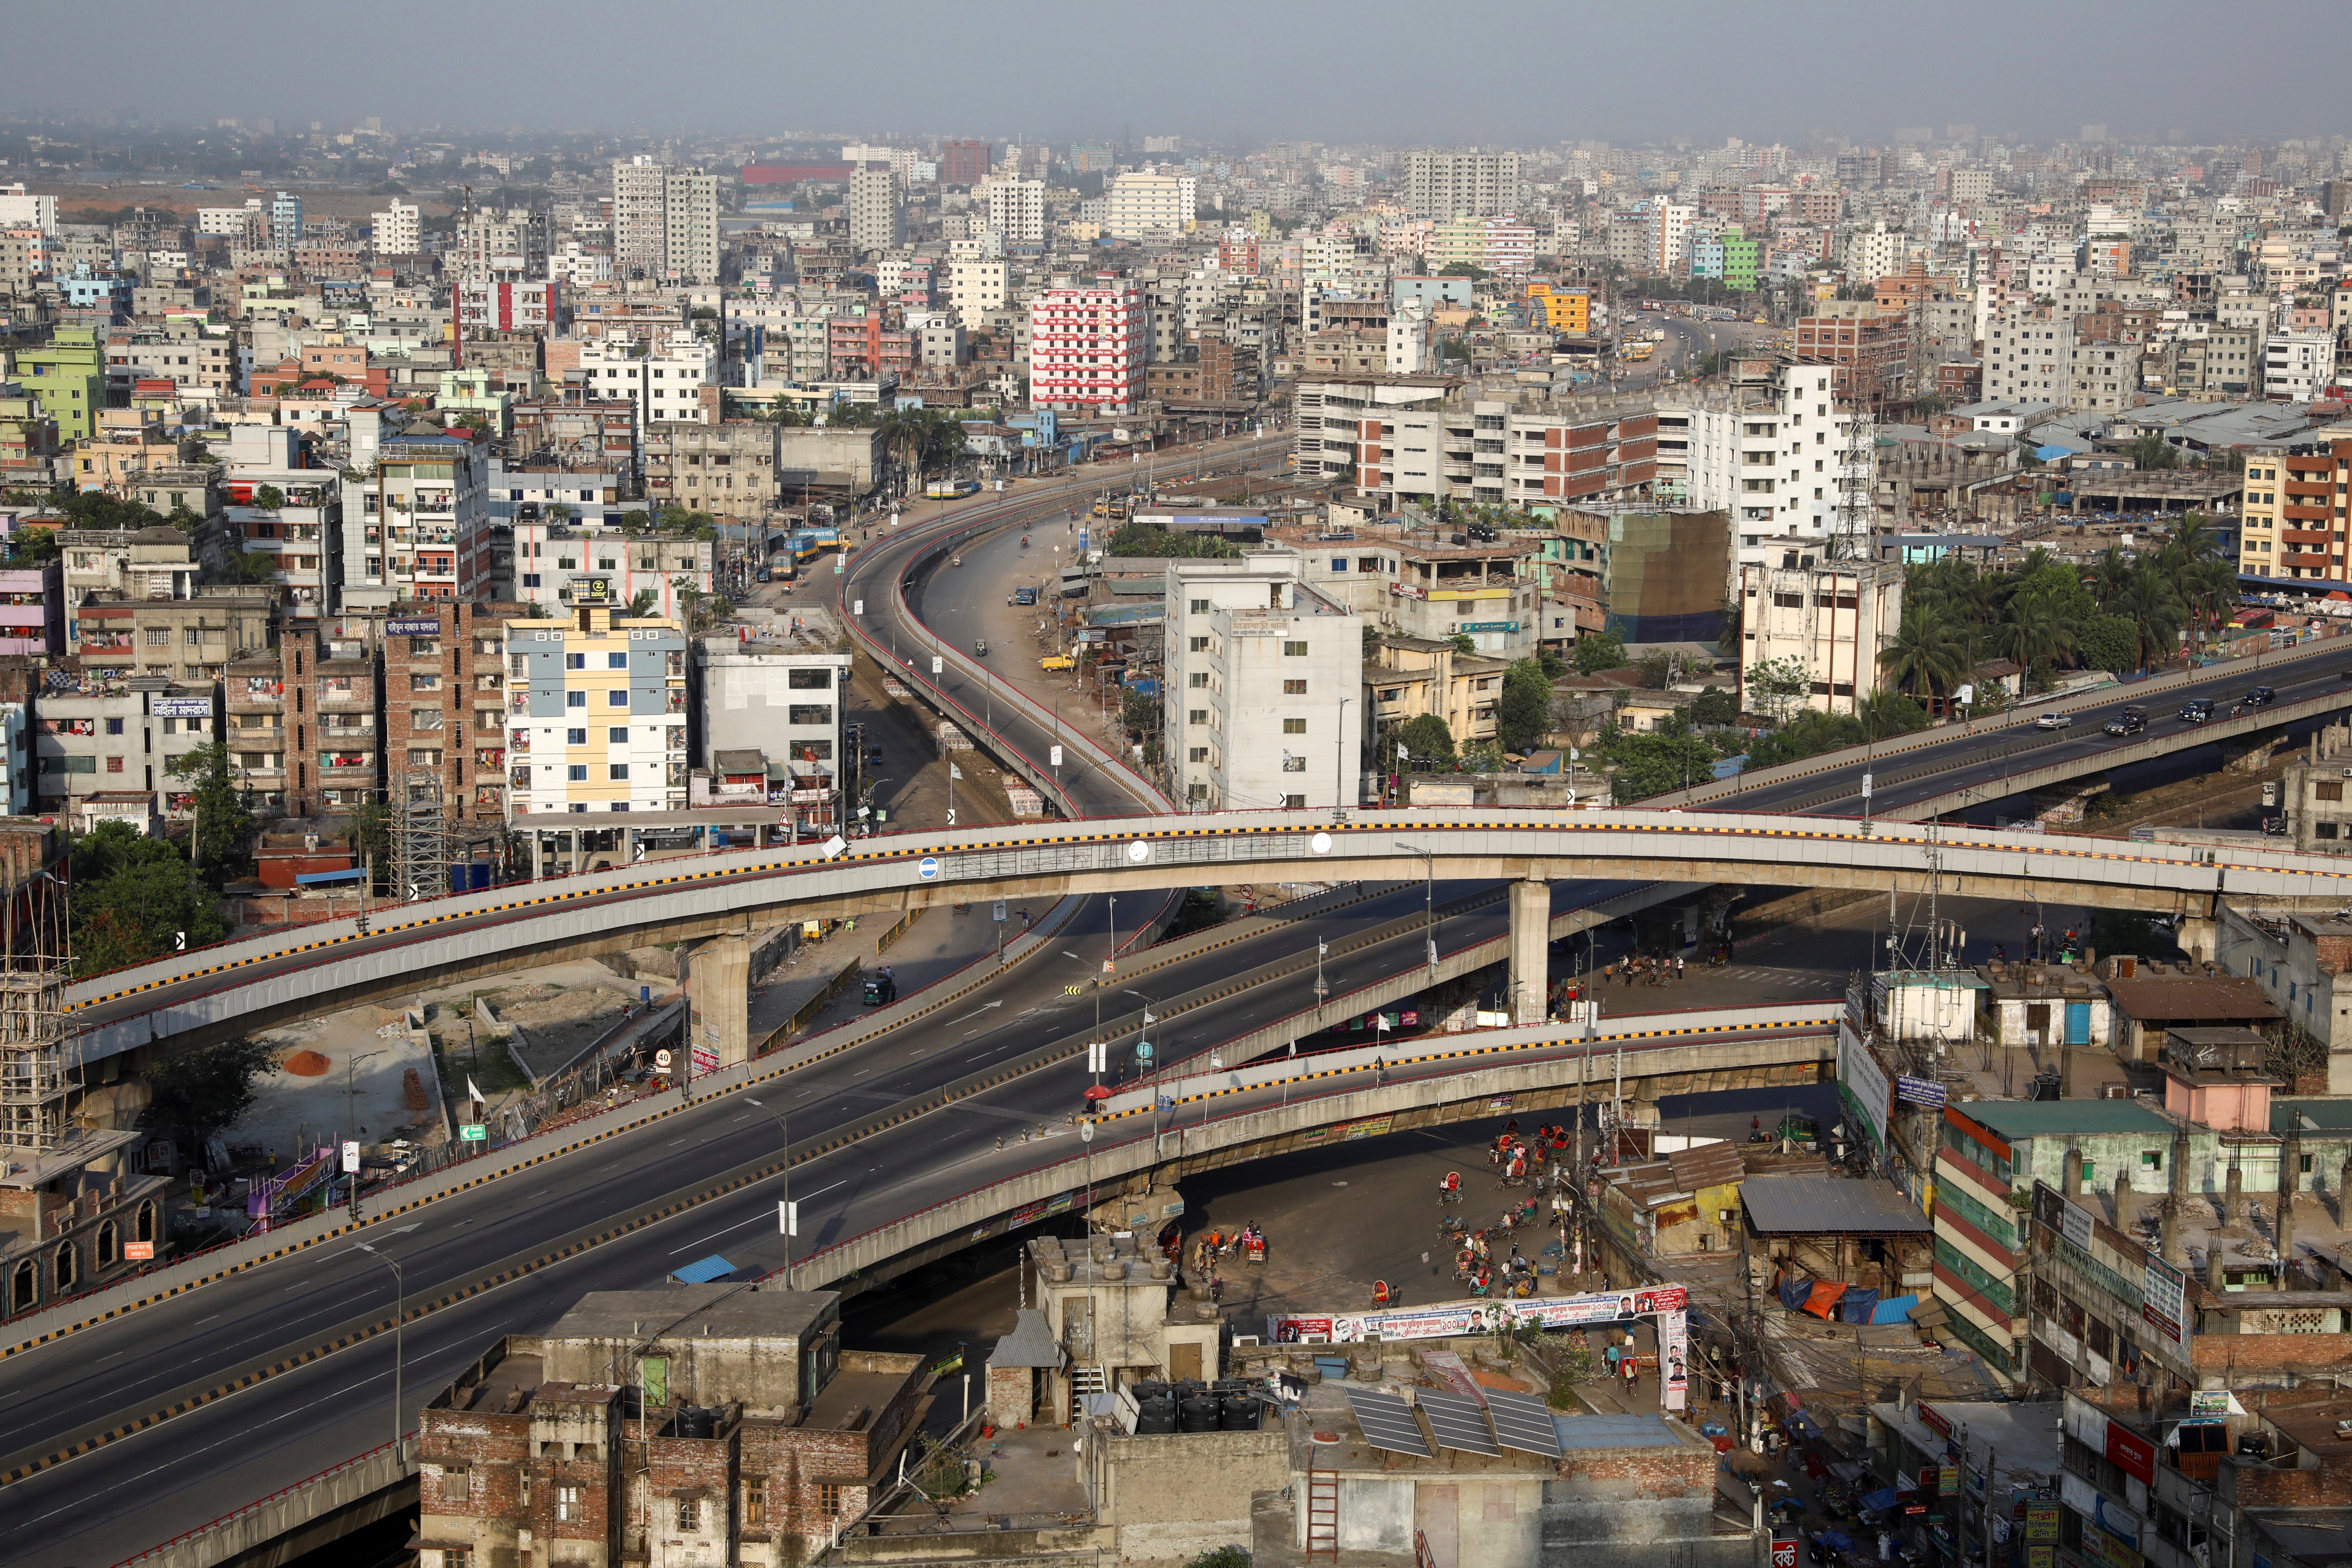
(241, 985)
(1954, 767)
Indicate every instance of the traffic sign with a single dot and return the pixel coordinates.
(998, 912)
(661, 1061)
(939, 664)
(1054, 754)
(139, 1251)
(856, 606)
(474, 1132)
(927, 868)
(351, 1155)
(1143, 1050)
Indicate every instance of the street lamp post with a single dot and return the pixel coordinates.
(789, 1226)
(1339, 759)
(1429, 898)
(399, 1329)
(351, 1115)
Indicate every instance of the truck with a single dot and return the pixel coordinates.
(1025, 596)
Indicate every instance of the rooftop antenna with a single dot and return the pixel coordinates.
(1855, 502)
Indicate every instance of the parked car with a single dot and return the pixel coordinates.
(2197, 710)
(2259, 697)
(2130, 721)
(2053, 720)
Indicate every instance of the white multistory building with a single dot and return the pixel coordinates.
(1874, 253)
(665, 383)
(22, 209)
(1136, 204)
(976, 286)
(1410, 338)
(400, 231)
(1777, 455)
(1264, 700)
(1461, 185)
(1016, 210)
(1833, 618)
(874, 220)
(1088, 345)
(2298, 366)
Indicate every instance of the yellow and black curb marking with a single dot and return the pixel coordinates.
(1689, 1034)
(415, 1310)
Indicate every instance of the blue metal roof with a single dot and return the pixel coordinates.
(313, 879)
(1614, 1432)
(711, 1267)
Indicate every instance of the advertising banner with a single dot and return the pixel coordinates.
(1673, 1360)
(2164, 1303)
(1448, 1320)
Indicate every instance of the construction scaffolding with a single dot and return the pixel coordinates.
(38, 1063)
(420, 837)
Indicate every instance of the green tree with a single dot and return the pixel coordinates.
(269, 498)
(1462, 642)
(31, 546)
(1427, 738)
(2151, 450)
(1597, 651)
(2033, 633)
(135, 898)
(202, 1091)
(1150, 541)
(1778, 686)
(254, 567)
(1523, 715)
(1652, 762)
(1715, 705)
(2110, 643)
(371, 837)
(1928, 656)
(643, 603)
(222, 825)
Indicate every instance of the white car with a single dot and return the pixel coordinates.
(2053, 720)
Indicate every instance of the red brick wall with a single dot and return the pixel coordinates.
(1621, 1473)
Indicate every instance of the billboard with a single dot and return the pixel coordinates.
(1451, 1319)
(1864, 1082)
(413, 627)
(182, 708)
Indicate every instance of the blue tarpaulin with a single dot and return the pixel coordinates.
(1880, 1500)
(1793, 1292)
(1858, 1305)
(711, 1267)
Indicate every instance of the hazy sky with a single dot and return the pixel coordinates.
(1453, 71)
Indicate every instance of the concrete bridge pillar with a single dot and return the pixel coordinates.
(2196, 936)
(2251, 754)
(719, 996)
(1530, 952)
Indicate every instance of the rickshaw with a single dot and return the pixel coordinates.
(880, 990)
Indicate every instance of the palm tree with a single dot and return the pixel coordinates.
(2032, 633)
(2155, 608)
(2111, 572)
(1928, 656)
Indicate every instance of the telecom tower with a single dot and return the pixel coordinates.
(1857, 507)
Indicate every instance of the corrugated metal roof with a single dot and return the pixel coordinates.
(1614, 1432)
(1805, 1205)
(1708, 1165)
(2168, 999)
(1030, 1342)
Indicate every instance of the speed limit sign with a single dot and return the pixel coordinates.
(661, 1059)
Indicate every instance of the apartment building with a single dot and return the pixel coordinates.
(1476, 184)
(1087, 346)
(1833, 617)
(1328, 418)
(32, 610)
(558, 565)
(118, 739)
(2221, 362)
(416, 523)
(1016, 210)
(678, 382)
(1264, 679)
(728, 468)
(198, 366)
(445, 705)
(975, 286)
(66, 376)
(2298, 366)
(785, 705)
(1409, 676)
(595, 714)
(963, 163)
(398, 231)
(190, 640)
(1137, 204)
(875, 221)
(2293, 513)
(1494, 453)
(1869, 350)
(301, 534)
(665, 222)
(1773, 451)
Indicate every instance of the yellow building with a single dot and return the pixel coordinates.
(1407, 677)
(596, 714)
(1563, 310)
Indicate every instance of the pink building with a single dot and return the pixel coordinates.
(1087, 347)
(32, 610)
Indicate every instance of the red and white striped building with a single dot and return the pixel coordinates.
(1087, 347)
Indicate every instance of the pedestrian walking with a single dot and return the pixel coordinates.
(1630, 1363)
(1678, 967)
(1613, 1355)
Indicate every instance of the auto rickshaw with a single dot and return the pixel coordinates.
(880, 990)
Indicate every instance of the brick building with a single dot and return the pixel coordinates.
(1868, 350)
(445, 704)
(737, 1432)
(304, 722)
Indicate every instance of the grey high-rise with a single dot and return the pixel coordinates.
(875, 223)
(1454, 184)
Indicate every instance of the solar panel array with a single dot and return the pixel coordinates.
(1458, 1422)
(1387, 1423)
(1523, 1422)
